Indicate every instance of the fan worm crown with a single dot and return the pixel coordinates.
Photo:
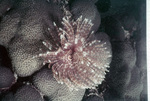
(78, 63)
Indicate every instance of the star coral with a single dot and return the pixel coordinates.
(78, 63)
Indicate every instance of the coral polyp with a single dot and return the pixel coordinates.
(78, 62)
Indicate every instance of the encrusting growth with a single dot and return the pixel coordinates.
(78, 63)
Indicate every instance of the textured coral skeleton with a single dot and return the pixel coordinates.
(78, 63)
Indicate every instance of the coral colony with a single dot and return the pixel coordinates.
(77, 63)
